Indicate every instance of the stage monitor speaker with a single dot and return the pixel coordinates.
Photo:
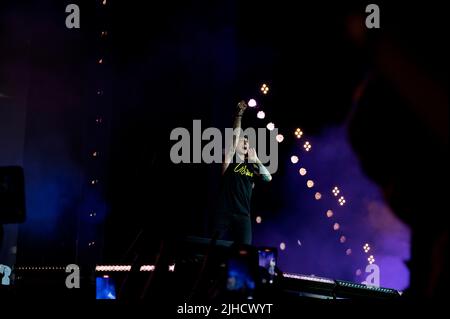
(12, 195)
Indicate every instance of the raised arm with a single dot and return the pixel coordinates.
(231, 149)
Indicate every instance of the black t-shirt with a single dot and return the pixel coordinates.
(236, 189)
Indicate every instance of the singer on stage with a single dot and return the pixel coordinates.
(240, 168)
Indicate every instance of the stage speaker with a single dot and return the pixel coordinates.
(12, 195)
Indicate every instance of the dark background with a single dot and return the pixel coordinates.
(167, 63)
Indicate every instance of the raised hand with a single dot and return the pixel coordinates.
(241, 107)
(252, 157)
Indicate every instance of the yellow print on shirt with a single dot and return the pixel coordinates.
(243, 170)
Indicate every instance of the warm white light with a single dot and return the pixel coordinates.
(318, 196)
(342, 239)
(282, 246)
(294, 159)
(298, 133)
(302, 171)
(307, 146)
(252, 103)
(261, 115)
(270, 126)
(336, 226)
(113, 268)
(310, 183)
(258, 219)
(279, 138)
(329, 213)
(335, 191)
(147, 268)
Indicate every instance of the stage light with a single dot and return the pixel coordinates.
(366, 248)
(120, 268)
(104, 33)
(147, 268)
(299, 242)
(104, 2)
(94, 181)
(336, 226)
(258, 219)
(261, 115)
(92, 214)
(302, 171)
(329, 213)
(264, 89)
(310, 184)
(270, 126)
(94, 154)
(307, 146)
(336, 191)
(341, 200)
(371, 259)
(99, 120)
(279, 138)
(100, 61)
(99, 92)
(348, 252)
(294, 159)
(342, 239)
(172, 268)
(298, 133)
(251, 103)
(282, 246)
(318, 196)
(113, 268)
(309, 278)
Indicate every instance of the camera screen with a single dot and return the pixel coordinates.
(105, 288)
(267, 264)
(241, 275)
